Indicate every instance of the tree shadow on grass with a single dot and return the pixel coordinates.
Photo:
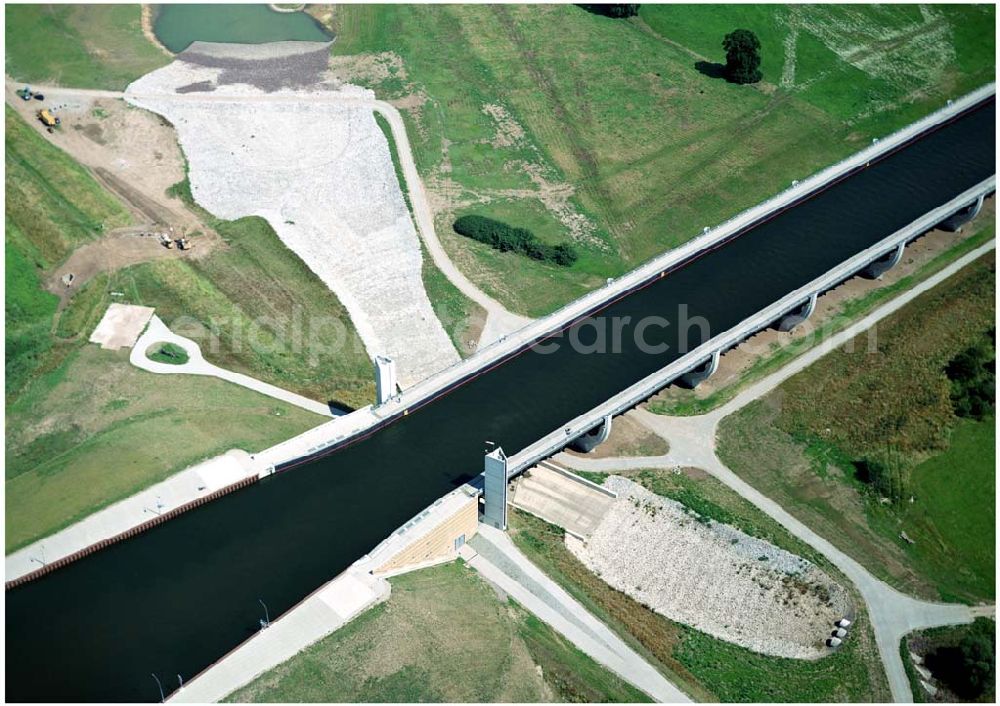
(711, 69)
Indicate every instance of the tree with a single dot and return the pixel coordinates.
(742, 56)
(979, 664)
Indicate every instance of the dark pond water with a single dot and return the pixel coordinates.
(176, 598)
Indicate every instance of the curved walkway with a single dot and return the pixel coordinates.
(157, 332)
(499, 321)
(693, 443)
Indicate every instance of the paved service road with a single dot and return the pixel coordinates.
(693, 443)
(494, 555)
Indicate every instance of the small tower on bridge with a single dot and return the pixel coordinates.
(385, 379)
(495, 489)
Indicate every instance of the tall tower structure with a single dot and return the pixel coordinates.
(495, 489)
(385, 379)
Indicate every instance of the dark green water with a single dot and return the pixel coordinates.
(179, 25)
(177, 598)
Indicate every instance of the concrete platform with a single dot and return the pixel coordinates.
(121, 326)
(562, 498)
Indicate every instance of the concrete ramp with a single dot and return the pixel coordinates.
(562, 498)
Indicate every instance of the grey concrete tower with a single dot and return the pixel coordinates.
(495, 490)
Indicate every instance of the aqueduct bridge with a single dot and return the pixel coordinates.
(176, 598)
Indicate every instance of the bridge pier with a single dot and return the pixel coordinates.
(699, 374)
(883, 264)
(592, 439)
(954, 223)
(797, 316)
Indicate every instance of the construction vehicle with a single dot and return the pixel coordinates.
(47, 118)
(183, 244)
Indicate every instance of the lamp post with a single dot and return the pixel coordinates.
(160, 687)
(266, 622)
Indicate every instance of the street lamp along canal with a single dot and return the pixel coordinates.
(266, 621)
(159, 686)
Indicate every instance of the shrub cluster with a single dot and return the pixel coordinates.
(615, 11)
(506, 238)
(973, 379)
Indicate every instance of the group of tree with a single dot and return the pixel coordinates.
(507, 238)
(616, 11)
(973, 379)
(742, 56)
(968, 668)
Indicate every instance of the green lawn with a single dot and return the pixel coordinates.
(97, 430)
(799, 446)
(169, 353)
(83, 46)
(707, 668)
(255, 307)
(52, 206)
(957, 513)
(442, 636)
(612, 137)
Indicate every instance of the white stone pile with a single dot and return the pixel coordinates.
(712, 576)
(321, 173)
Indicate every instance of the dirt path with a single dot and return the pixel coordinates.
(120, 248)
(133, 153)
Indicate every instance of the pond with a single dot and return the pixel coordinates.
(176, 26)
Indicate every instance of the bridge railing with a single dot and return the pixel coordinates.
(557, 440)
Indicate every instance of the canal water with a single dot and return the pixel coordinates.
(176, 26)
(178, 597)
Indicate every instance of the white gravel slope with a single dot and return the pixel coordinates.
(711, 576)
(322, 175)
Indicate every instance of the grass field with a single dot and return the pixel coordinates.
(444, 635)
(255, 307)
(621, 144)
(72, 446)
(798, 446)
(676, 401)
(83, 46)
(52, 206)
(96, 430)
(707, 668)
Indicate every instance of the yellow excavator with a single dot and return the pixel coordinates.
(47, 118)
